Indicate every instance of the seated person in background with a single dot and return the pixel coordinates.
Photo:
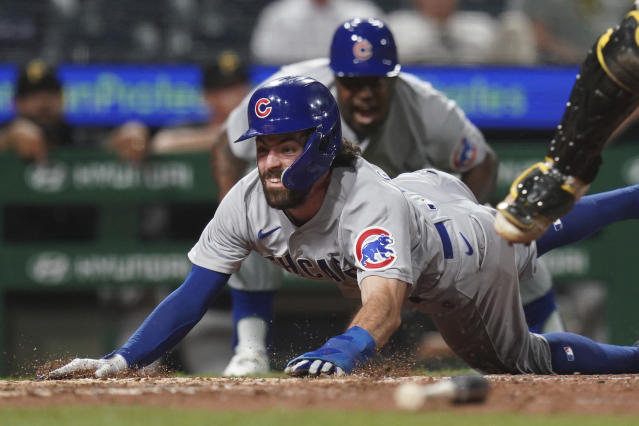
(225, 82)
(565, 29)
(39, 122)
(437, 31)
(295, 30)
(38, 128)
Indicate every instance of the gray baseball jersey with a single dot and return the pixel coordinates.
(423, 127)
(424, 228)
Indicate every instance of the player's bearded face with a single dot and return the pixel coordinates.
(282, 198)
(274, 154)
(364, 102)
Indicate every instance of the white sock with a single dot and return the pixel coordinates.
(251, 334)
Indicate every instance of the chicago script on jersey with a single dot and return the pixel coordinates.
(315, 269)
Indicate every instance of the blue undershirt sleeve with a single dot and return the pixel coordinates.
(172, 319)
(590, 214)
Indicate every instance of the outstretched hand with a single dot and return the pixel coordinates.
(300, 367)
(101, 368)
(339, 356)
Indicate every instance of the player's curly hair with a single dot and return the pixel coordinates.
(347, 155)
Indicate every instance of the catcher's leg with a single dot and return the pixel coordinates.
(601, 104)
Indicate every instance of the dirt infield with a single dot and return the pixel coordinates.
(524, 394)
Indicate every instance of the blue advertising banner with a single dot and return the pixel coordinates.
(7, 77)
(99, 95)
(156, 95)
(507, 98)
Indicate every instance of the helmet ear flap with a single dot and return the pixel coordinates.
(319, 152)
(305, 170)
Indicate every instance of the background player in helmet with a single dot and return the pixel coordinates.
(602, 103)
(401, 124)
(326, 204)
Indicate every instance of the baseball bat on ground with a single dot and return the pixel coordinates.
(458, 389)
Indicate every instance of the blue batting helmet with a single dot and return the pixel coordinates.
(291, 104)
(364, 47)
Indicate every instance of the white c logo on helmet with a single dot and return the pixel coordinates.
(261, 108)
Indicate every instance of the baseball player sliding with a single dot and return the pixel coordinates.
(420, 240)
(401, 124)
(602, 103)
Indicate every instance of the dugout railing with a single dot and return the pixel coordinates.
(111, 202)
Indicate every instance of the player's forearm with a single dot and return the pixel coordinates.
(482, 179)
(172, 319)
(379, 320)
(227, 169)
(183, 140)
(371, 328)
(380, 314)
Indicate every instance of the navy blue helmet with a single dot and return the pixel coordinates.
(364, 47)
(291, 104)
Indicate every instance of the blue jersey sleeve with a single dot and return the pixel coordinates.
(172, 319)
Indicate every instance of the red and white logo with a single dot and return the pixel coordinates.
(363, 50)
(570, 355)
(373, 248)
(464, 155)
(261, 108)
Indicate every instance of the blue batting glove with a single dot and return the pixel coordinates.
(339, 355)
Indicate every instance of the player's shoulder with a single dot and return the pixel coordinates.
(413, 86)
(436, 184)
(371, 196)
(307, 64)
(372, 181)
(317, 68)
(422, 100)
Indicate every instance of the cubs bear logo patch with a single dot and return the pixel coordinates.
(262, 109)
(464, 155)
(373, 248)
